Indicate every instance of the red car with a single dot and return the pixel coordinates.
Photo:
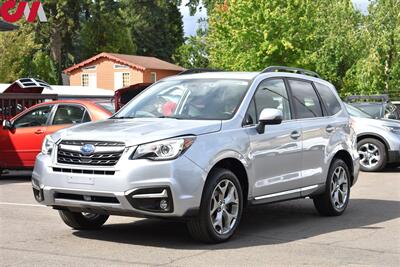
(124, 95)
(21, 138)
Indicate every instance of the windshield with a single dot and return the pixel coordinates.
(200, 99)
(374, 110)
(107, 106)
(356, 112)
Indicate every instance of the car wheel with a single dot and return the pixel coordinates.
(83, 220)
(220, 210)
(334, 200)
(372, 154)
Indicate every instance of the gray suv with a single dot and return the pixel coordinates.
(201, 147)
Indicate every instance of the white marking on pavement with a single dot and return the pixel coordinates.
(21, 204)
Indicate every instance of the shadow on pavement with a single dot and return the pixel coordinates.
(262, 225)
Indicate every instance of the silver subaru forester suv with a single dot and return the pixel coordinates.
(201, 147)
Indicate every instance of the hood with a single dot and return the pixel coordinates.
(366, 124)
(137, 131)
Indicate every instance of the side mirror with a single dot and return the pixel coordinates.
(269, 116)
(7, 125)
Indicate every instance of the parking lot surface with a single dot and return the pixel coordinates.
(282, 234)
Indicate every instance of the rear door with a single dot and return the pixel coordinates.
(20, 146)
(316, 128)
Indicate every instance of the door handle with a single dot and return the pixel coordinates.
(40, 131)
(329, 128)
(295, 135)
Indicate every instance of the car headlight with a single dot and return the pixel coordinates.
(47, 145)
(163, 150)
(393, 129)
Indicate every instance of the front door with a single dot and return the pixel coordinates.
(20, 146)
(277, 153)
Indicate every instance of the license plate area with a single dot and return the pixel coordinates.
(80, 180)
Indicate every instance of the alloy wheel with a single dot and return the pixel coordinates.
(224, 207)
(369, 155)
(339, 188)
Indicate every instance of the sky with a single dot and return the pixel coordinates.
(190, 22)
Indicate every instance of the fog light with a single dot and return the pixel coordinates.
(164, 204)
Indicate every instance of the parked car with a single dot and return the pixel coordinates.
(21, 138)
(378, 106)
(378, 141)
(232, 140)
(124, 95)
(397, 104)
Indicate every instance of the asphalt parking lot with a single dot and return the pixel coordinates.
(281, 234)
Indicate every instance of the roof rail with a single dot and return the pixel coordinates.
(291, 69)
(197, 70)
(363, 98)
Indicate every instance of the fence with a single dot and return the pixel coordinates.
(13, 103)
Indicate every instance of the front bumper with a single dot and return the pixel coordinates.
(122, 189)
(394, 156)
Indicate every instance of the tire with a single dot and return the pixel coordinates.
(334, 201)
(225, 212)
(81, 221)
(373, 156)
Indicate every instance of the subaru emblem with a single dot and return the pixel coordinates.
(88, 149)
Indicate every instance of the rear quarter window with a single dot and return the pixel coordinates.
(329, 99)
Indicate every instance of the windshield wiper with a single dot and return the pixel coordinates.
(121, 118)
(171, 117)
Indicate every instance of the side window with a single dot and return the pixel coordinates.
(328, 97)
(272, 93)
(34, 118)
(67, 114)
(305, 100)
(86, 117)
(251, 117)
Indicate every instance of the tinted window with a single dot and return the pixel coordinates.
(353, 111)
(272, 93)
(305, 100)
(36, 117)
(328, 97)
(69, 115)
(251, 117)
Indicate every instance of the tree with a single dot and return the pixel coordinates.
(16, 49)
(208, 4)
(378, 68)
(193, 53)
(251, 35)
(105, 30)
(156, 26)
(334, 40)
(60, 34)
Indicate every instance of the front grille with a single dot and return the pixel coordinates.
(107, 154)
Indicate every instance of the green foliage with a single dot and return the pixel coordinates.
(193, 53)
(42, 67)
(80, 29)
(156, 26)
(105, 30)
(16, 50)
(378, 68)
(357, 53)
